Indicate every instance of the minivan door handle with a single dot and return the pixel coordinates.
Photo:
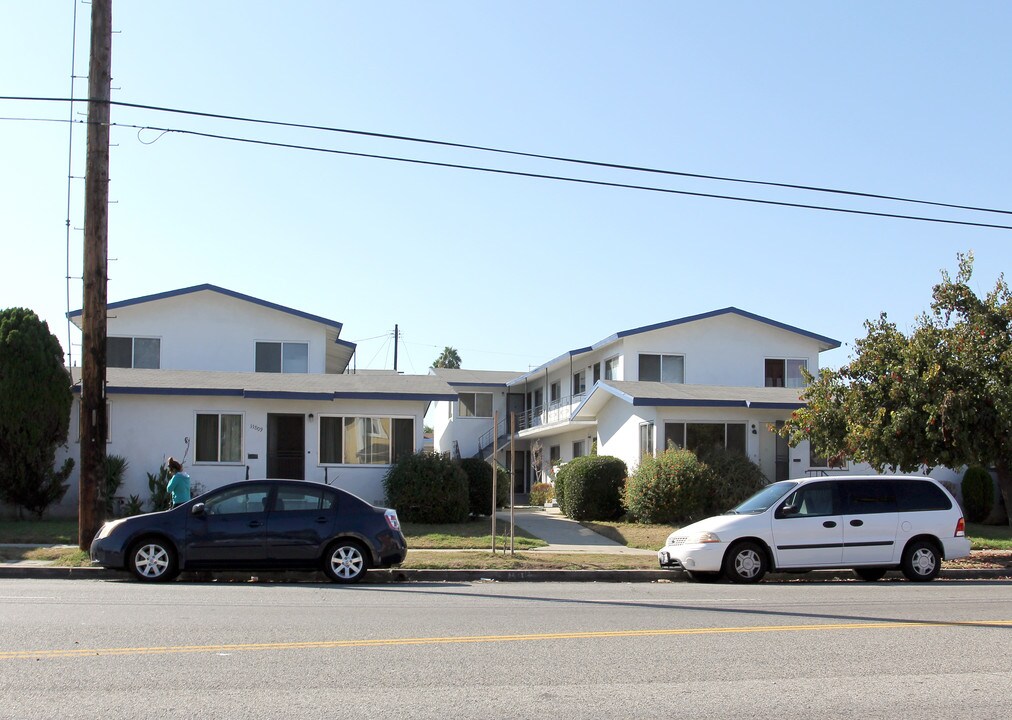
(857, 523)
(829, 524)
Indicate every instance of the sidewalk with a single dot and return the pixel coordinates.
(564, 535)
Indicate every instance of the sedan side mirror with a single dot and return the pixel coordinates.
(197, 509)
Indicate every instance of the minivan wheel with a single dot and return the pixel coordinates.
(152, 560)
(921, 561)
(345, 562)
(745, 563)
(870, 574)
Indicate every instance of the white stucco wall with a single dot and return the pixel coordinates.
(209, 331)
(146, 429)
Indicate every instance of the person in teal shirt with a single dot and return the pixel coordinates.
(179, 482)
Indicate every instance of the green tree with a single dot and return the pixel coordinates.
(940, 395)
(35, 399)
(449, 358)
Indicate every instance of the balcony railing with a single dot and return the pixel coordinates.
(556, 411)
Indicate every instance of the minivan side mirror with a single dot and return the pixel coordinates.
(788, 510)
(197, 509)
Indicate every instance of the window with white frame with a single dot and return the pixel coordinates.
(365, 440)
(218, 438)
(555, 391)
(554, 455)
(474, 405)
(282, 357)
(580, 382)
(646, 439)
(785, 372)
(662, 368)
(597, 372)
(611, 369)
(579, 448)
(700, 437)
(133, 352)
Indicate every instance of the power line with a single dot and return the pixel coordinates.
(563, 178)
(560, 178)
(518, 153)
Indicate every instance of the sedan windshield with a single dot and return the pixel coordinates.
(761, 501)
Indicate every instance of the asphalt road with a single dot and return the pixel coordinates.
(92, 649)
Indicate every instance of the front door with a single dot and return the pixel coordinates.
(286, 446)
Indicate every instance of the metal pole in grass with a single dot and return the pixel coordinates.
(513, 480)
(495, 465)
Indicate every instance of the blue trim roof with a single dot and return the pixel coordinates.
(223, 291)
(830, 342)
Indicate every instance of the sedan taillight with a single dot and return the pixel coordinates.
(960, 528)
(391, 517)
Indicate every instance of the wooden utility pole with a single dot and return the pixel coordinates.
(96, 252)
(495, 470)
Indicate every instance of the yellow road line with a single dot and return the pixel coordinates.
(391, 642)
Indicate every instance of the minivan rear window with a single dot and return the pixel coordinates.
(869, 496)
(919, 495)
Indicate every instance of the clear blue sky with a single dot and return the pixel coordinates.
(898, 98)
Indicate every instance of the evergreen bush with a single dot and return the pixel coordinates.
(592, 487)
(427, 488)
(542, 493)
(978, 494)
(734, 479)
(479, 485)
(671, 487)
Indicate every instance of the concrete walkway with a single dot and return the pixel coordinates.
(564, 535)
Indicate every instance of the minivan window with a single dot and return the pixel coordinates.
(762, 500)
(869, 496)
(920, 495)
(813, 500)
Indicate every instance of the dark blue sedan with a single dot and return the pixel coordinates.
(256, 524)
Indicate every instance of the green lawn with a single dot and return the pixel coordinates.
(989, 537)
(40, 532)
(473, 535)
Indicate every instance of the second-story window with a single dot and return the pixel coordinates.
(282, 357)
(133, 352)
(474, 405)
(782, 372)
(555, 392)
(580, 382)
(662, 368)
(611, 369)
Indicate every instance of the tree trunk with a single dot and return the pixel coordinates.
(1005, 486)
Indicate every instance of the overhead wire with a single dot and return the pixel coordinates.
(562, 178)
(519, 153)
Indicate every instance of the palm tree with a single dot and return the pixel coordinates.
(449, 358)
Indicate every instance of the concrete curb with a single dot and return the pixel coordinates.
(396, 575)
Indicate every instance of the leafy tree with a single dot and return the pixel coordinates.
(940, 395)
(35, 400)
(449, 358)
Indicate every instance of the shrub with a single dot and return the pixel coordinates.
(591, 487)
(978, 494)
(542, 493)
(479, 485)
(671, 487)
(115, 468)
(427, 488)
(160, 498)
(734, 479)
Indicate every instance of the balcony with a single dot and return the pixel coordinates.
(534, 422)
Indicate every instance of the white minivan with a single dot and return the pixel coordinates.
(871, 524)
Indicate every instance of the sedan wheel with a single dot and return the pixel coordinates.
(745, 563)
(153, 560)
(921, 562)
(345, 562)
